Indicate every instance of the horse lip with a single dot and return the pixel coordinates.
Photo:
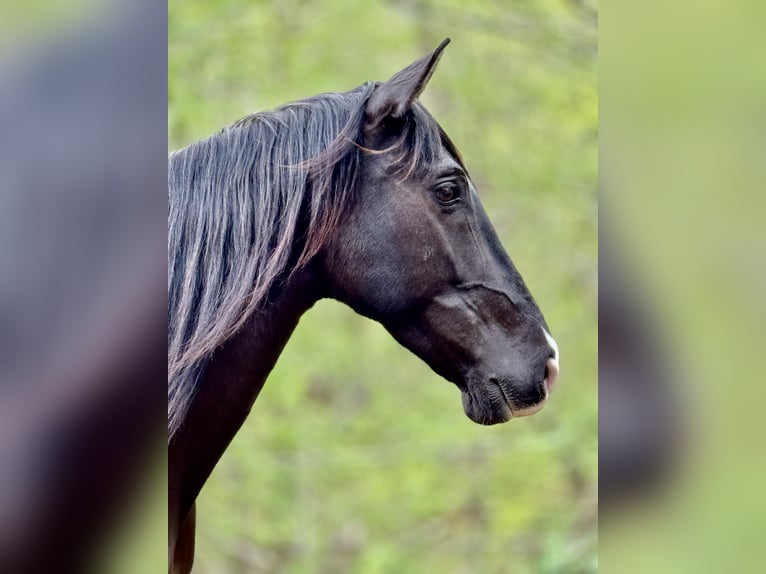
(506, 399)
(500, 415)
(530, 410)
(465, 387)
(503, 393)
(523, 411)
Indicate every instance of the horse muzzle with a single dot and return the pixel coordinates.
(494, 400)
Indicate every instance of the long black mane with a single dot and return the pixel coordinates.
(242, 200)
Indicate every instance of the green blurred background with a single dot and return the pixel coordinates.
(357, 458)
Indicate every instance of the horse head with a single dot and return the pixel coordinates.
(416, 252)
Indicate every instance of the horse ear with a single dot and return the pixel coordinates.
(394, 97)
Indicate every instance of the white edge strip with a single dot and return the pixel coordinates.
(554, 346)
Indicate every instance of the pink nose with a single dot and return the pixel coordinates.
(551, 373)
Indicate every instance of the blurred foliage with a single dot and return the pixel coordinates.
(357, 458)
(684, 159)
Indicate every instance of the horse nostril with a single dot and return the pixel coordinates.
(551, 372)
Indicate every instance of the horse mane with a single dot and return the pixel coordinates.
(255, 202)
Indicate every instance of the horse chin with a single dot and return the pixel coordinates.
(486, 409)
(488, 404)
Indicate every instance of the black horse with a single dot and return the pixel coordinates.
(358, 196)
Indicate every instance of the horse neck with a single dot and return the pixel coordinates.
(231, 384)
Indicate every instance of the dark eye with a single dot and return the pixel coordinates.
(447, 193)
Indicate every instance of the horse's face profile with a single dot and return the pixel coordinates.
(417, 253)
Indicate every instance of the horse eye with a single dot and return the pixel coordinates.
(447, 193)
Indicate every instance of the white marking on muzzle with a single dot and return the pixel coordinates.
(554, 346)
(552, 364)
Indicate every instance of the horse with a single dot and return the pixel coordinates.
(359, 197)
